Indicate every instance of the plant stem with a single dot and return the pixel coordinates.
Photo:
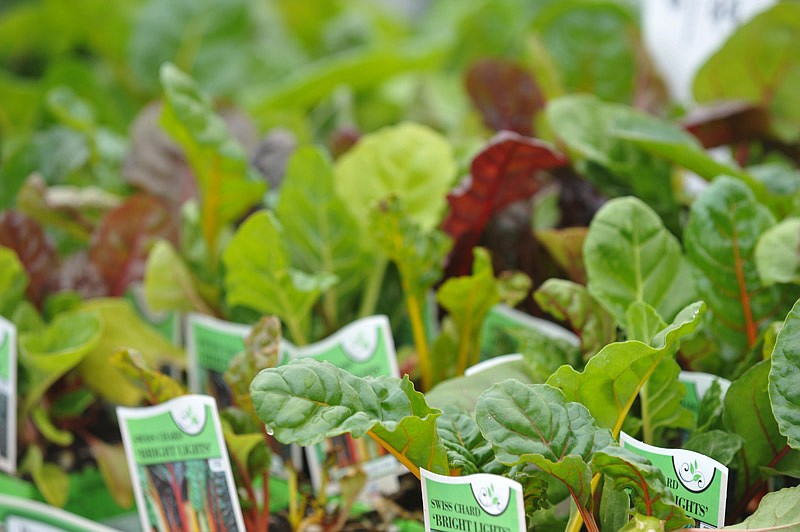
(647, 426)
(420, 340)
(265, 496)
(294, 517)
(298, 336)
(576, 521)
(373, 289)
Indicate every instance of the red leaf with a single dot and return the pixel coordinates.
(506, 95)
(120, 246)
(35, 250)
(727, 123)
(510, 168)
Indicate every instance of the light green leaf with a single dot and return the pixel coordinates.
(644, 481)
(724, 225)
(642, 322)
(571, 302)
(259, 276)
(13, 281)
(779, 510)
(409, 161)
(218, 161)
(720, 445)
(612, 379)
(660, 401)
(783, 390)
(630, 256)
(168, 283)
(533, 423)
(776, 255)
(158, 387)
(113, 466)
(641, 523)
(758, 64)
(70, 109)
(307, 401)
(51, 480)
(319, 229)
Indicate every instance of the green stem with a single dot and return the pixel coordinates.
(294, 514)
(296, 330)
(647, 425)
(369, 299)
(329, 308)
(420, 339)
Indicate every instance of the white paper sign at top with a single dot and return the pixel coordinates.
(681, 34)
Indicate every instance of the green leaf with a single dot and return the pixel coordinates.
(157, 386)
(533, 423)
(13, 281)
(319, 229)
(307, 401)
(757, 64)
(779, 510)
(122, 327)
(248, 451)
(630, 256)
(613, 377)
(168, 282)
(51, 353)
(468, 451)
(113, 466)
(709, 411)
(724, 225)
(642, 322)
(617, 166)
(571, 302)
(614, 507)
(717, 444)
(259, 276)
(218, 161)
(409, 161)
(776, 254)
(51, 480)
(262, 350)
(641, 523)
(644, 481)
(783, 390)
(660, 401)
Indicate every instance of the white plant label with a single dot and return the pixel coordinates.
(8, 396)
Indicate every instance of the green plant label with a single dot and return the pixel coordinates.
(211, 344)
(21, 515)
(698, 483)
(8, 396)
(497, 330)
(681, 34)
(179, 466)
(167, 323)
(472, 503)
(697, 384)
(364, 348)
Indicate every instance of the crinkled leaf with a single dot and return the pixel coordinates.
(259, 276)
(717, 444)
(418, 253)
(588, 41)
(783, 390)
(724, 226)
(467, 450)
(748, 413)
(779, 510)
(122, 328)
(262, 350)
(34, 249)
(13, 281)
(509, 168)
(645, 482)
(630, 256)
(120, 245)
(777, 253)
(409, 161)
(571, 302)
(544, 353)
(319, 229)
(565, 246)
(533, 423)
(505, 94)
(168, 282)
(616, 166)
(218, 161)
(157, 386)
(613, 377)
(51, 353)
(307, 401)
(758, 63)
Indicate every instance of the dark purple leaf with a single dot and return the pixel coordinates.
(727, 123)
(119, 248)
(34, 248)
(506, 95)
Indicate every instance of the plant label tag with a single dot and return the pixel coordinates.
(364, 348)
(179, 466)
(472, 503)
(499, 325)
(681, 35)
(8, 396)
(167, 323)
(22, 515)
(698, 483)
(697, 384)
